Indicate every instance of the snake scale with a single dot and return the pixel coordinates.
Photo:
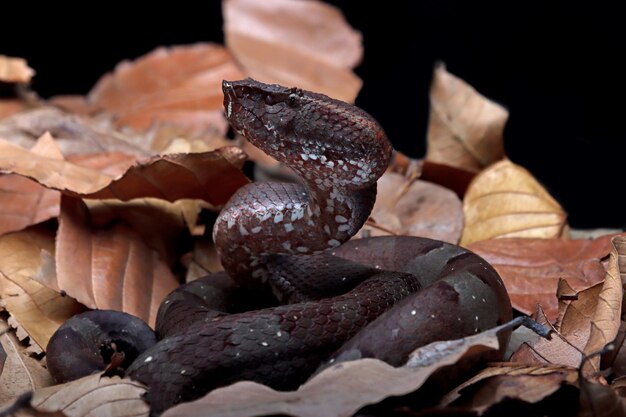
(377, 297)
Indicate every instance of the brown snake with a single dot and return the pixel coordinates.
(379, 297)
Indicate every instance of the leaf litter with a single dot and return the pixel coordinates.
(139, 151)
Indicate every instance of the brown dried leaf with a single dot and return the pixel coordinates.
(211, 176)
(505, 200)
(111, 164)
(23, 201)
(456, 179)
(557, 351)
(21, 373)
(142, 214)
(577, 334)
(15, 70)
(341, 390)
(606, 317)
(93, 395)
(416, 208)
(305, 44)
(10, 106)
(465, 128)
(36, 308)
(75, 135)
(530, 384)
(531, 268)
(180, 85)
(109, 267)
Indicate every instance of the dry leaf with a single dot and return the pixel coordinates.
(181, 85)
(341, 390)
(21, 408)
(111, 164)
(307, 44)
(169, 239)
(109, 267)
(456, 179)
(557, 351)
(465, 128)
(606, 317)
(505, 200)
(414, 208)
(531, 268)
(93, 396)
(36, 308)
(15, 70)
(21, 372)
(492, 385)
(10, 106)
(211, 176)
(23, 201)
(577, 332)
(75, 135)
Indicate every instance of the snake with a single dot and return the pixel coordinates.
(341, 299)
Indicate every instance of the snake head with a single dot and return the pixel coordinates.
(323, 139)
(255, 109)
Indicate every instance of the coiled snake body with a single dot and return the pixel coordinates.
(402, 292)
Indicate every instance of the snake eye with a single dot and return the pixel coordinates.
(293, 99)
(269, 100)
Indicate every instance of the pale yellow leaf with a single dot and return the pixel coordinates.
(505, 200)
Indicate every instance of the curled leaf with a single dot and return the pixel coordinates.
(465, 128)
(531, 268)
(304, 44)
(23, 201)
(211, 176)
(109, 267)
(505, 200)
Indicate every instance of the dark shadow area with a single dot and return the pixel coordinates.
(557, 68)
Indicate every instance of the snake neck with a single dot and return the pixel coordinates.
(337, 150)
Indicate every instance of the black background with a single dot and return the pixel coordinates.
(557, 67)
